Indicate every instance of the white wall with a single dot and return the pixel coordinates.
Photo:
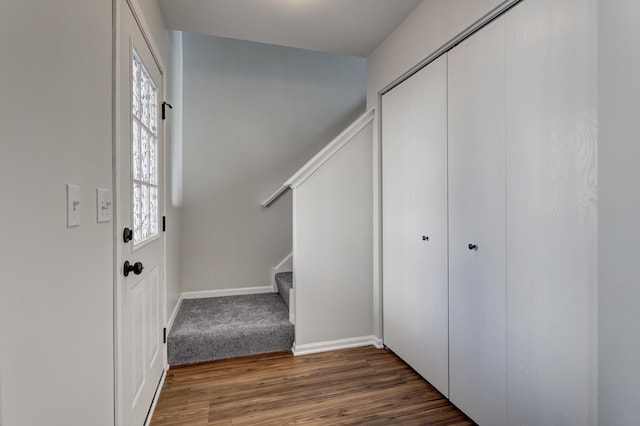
(332, 247)
(253, 114)
(156, 30)
(432, 24)
(173, 175)
(619, 217)
(56, 293)
(428, 27)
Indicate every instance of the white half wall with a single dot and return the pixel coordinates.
(56, 291)
(253, 114)
(332, 247)
(619, 212)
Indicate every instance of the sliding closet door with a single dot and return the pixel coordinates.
(552, 212)
(414, 185)
(477, 327)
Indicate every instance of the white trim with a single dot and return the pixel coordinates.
(328, 151)
(322, 157)
(294, 245)
(378, 343)
(117, 220)
(136, 8)
(489, 17)
(226, 292)
(274, 284)
(334, 345)
(292, 306)
(285, 265)
(174, 314)
(276, 194)
(377, 222)
(156, 397)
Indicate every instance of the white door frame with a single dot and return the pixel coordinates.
(117, 223)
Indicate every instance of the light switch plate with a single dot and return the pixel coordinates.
(73, 205)
(104, 205)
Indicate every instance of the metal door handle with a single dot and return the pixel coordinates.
(127, 235)
(473, 247)
(136, 268)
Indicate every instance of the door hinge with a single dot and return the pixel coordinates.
(164, 224)
(164, 111)
(164, 335)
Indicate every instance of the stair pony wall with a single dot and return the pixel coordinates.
(332, 294)
(332, 240)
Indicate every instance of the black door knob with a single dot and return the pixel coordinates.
(127, 235)
(473, 247)
(425, 238)
(136, 268)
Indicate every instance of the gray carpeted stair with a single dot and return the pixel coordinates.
(227, 327)
(284, 281)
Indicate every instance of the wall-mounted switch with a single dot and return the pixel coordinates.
(73, 205)
(104, 204)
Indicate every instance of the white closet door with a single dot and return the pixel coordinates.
(477, 283)
(552, 212)
(414, 170)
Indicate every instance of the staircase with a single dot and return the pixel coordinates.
(228, 327)
(284, 281)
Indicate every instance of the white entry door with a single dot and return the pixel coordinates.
(140, 253)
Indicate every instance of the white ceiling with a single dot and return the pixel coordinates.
(351, 27)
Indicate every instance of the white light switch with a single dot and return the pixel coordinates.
(104, 204)
(73, 205)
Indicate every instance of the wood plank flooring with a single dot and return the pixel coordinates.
(353, 386)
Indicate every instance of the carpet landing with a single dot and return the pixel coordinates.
(228, 327)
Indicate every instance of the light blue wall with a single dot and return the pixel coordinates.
(253, 114)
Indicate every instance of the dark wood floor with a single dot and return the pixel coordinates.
(353, 386)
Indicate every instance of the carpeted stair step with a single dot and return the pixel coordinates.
(284, 281)
(228, 327)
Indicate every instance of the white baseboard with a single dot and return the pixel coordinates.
(226, 292)
(378, 343)
(155, 398)
(172, 318)
(334, 345)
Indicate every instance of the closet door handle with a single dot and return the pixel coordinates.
(473, 247)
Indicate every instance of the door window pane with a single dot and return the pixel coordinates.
(144, 152)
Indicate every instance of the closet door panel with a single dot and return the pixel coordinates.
(552, 212)
(477, 216)
(415, 272)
